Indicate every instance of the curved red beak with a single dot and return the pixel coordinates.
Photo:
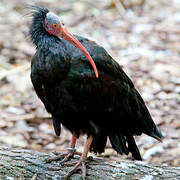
(65, 34)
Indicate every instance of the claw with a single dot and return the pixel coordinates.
(63, 157)
(79, 165)
(68, 156)
(70, 153)
(55, 158)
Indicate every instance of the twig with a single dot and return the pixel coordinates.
(120, 9)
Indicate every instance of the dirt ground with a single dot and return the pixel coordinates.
(143, 37)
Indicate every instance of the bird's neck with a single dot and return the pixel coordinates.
(43, 40)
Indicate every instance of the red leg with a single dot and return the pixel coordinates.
(82, 160)
(66, 156)
(73, 140)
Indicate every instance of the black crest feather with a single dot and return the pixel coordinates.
(37, 29)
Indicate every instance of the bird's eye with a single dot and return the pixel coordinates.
(55, 25)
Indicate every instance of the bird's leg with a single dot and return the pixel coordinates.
(70, 152)
(81, 162)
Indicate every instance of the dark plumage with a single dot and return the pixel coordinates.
(107, 106)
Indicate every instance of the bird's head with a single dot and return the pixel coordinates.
(55, 27)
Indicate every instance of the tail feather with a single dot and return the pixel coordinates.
(98, 144)
(133, 147)
(56, 125)
(118, 143)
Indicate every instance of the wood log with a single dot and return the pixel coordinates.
(27, 164)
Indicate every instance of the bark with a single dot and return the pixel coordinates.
(26, 164)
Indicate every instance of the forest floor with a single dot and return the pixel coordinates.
(144, 39)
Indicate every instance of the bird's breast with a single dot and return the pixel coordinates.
(49, 66)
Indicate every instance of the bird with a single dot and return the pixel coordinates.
(86, 91)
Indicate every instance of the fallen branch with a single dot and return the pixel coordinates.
(27, 164)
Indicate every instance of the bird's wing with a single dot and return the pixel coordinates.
(113, 92)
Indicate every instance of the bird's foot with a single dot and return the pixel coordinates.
(63, 157)
(80, 165)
